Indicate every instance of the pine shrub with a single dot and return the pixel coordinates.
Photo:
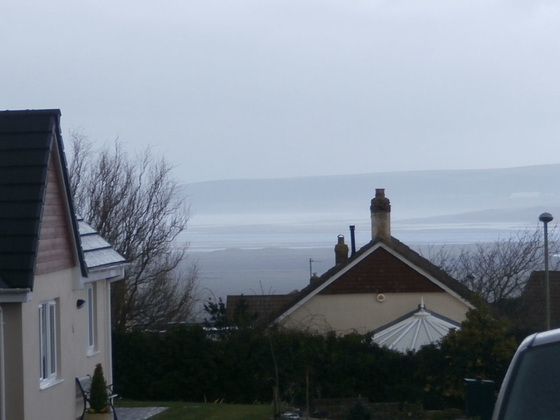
(99, 397)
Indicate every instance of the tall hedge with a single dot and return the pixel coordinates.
(244, 365)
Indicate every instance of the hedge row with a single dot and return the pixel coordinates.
(243, 366)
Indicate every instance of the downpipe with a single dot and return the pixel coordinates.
(2, 369)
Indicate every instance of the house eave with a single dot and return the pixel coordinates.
(15, 295)
(106, 273)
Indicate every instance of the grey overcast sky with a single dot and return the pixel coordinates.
(279, 88)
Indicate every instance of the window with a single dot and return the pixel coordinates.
(47, 341)
(91, 308)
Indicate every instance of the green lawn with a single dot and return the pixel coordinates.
(201, 411)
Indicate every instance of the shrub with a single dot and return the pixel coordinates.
(99, 397)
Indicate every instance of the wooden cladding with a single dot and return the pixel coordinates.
(381, 272)
(55, 245)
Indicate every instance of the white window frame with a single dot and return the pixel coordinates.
(91, 300)
(48, 346)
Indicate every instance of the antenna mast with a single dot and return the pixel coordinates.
(311, 261)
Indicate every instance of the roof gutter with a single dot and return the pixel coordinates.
(15, 295)
(110, 273)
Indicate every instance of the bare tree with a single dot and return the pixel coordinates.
(497, 270)
(135, 205)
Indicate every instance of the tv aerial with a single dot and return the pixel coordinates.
(311, 261)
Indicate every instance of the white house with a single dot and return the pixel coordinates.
(55, 276)
(370, 291)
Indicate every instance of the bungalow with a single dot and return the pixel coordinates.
(55, 276)
(383, 284)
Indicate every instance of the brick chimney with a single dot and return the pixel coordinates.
(341, 251)
(380, 216)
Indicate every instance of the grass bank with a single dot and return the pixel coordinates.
(199, 411)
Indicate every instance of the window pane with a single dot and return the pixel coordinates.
(52, 338)
(91, 317)
(47, 340)
(43, 341)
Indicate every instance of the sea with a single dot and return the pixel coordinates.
(277, 254)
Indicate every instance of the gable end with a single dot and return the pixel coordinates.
(55, 243)
(381, 272)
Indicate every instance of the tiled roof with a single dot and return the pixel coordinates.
(431, 269)
(27, 140)
(98, 253)
(257, 307)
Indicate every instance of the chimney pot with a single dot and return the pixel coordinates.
(341, 251)
(380, 216)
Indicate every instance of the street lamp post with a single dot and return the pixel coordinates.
(546, 218)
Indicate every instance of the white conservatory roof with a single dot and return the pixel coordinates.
(414, 330)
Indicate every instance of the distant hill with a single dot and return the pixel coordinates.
(515, 193)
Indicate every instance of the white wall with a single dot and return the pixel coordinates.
(13, 360)
(58, 401)
(363, 313)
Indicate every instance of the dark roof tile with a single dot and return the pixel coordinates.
(17, 226)
(17, 158)
(21, 193)
(24, 209)
(29, 121)
(26, 142)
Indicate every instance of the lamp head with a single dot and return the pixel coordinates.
(545, 217)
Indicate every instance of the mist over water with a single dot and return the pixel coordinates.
(273, 256)
(283, 234)
(258, 236)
